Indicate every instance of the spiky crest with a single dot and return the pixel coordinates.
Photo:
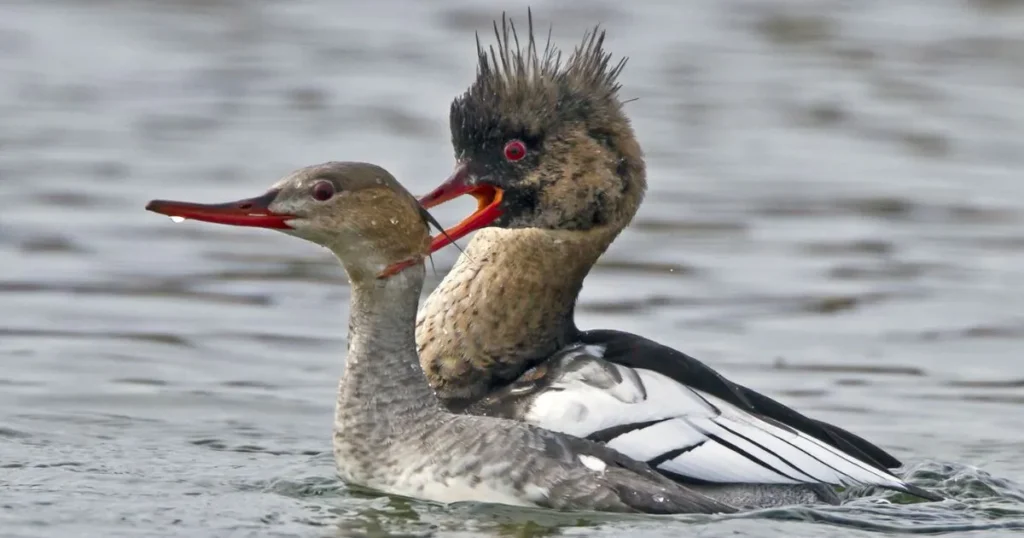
(530, 87)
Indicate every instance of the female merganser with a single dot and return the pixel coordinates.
(548, 152)
(390, 432)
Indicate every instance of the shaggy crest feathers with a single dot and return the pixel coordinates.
(509, 66)
(511, 79)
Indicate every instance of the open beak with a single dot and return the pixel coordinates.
(488, 199)
(250, 212)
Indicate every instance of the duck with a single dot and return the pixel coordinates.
(543, 143)
(391, 433)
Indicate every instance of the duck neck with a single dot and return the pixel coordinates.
(506, 305)
(382, 373)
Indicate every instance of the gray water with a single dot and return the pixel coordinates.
(836, 218)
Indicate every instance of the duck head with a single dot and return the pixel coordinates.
(543, 142)
(357, 210)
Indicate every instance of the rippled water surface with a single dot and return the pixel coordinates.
(836, 218)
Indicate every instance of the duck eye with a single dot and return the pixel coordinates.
(322, 191)
(515, 150)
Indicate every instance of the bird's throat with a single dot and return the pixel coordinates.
(507, 304)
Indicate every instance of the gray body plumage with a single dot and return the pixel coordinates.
(391, 433)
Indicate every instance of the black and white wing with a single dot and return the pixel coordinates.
(684, 432)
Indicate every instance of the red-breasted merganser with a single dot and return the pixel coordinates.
(390, 431)
(543, 143)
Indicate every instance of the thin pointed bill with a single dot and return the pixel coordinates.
(488, 209)
(253, 212)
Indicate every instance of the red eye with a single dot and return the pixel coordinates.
(515, 150)
(322, 191)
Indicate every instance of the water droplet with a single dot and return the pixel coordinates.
(177, 219)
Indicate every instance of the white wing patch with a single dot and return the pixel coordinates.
(593, 463)
(654, 418)
(648, 443)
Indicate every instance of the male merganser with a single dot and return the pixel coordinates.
(390, 432)
(545, 147)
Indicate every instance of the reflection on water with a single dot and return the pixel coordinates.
(835, 218)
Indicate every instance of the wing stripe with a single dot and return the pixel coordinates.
(608, 434)
(849, 459)
(681, 430)
(671, 454)
(887, 478)
(637, 352)
(749, 456)
(819, 460)
(807, 475)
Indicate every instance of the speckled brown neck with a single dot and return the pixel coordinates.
(506, 304)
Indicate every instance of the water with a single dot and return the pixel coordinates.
(835, 219)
